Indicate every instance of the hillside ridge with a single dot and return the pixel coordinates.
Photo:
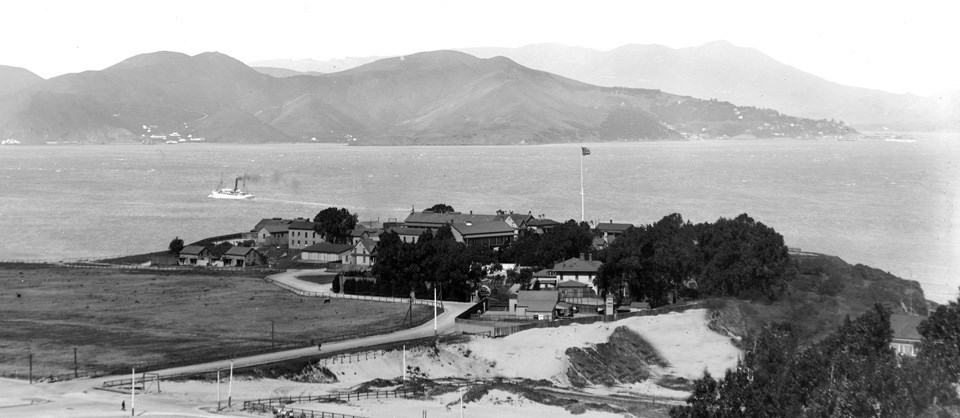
(429, 98)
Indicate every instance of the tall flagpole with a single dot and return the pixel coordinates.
(581, 186)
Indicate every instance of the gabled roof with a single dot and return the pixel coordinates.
(270, 221)
(239, 251)
(370, 224)
(301, 225)
(494, 227)
(545, 273)
(193, 250)
(599, 242)
(542, 222)
(360, 231)
(612, 227)
(538, 300)
(328, 248)
(273, 229)
(905, 326)
(368, 243)
(577, 265)
(517, 220)
(446, 218)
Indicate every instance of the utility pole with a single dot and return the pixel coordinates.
(230, 388)
(404, 363)
(218, 388)
(133, 388)
(75, 369)
(272, 341)
(31, 368)
(434, 311)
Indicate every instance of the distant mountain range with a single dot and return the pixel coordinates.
(441, 97)
(717, 70)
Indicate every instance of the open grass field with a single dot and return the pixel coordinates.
(119, 318)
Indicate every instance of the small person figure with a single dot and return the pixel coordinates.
(318, 346)
(123, 405)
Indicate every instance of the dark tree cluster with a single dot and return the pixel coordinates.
(851, 373)
(440, 208)
(176, 245)
(562, 242)
(334, 224)
(741, 257)
(941, 339)
(404, 268)
(731, 257)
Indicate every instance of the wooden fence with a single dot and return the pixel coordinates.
(503, 331)
(352, 358)
(279, 403)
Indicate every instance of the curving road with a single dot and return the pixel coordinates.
(445, 323)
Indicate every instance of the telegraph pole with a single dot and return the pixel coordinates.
(230, 388)
(218, 388)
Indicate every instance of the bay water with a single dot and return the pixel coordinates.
(890, 205)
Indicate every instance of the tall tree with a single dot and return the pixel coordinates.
(567, 240)
(851, 373)
(941, 338)
(334, 224)
(741, 258)
(176, 245)
(653, 261)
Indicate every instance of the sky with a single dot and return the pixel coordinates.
(893, 46)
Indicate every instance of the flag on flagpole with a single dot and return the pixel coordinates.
(585, 150)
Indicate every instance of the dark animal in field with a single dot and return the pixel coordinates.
(327, 300)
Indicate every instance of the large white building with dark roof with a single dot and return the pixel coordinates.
(493, 234)
(579, 269)
(301, 234)
(433, 221)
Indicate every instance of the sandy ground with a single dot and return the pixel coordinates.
(681, 338)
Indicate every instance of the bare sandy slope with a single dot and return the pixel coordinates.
(681, 338)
